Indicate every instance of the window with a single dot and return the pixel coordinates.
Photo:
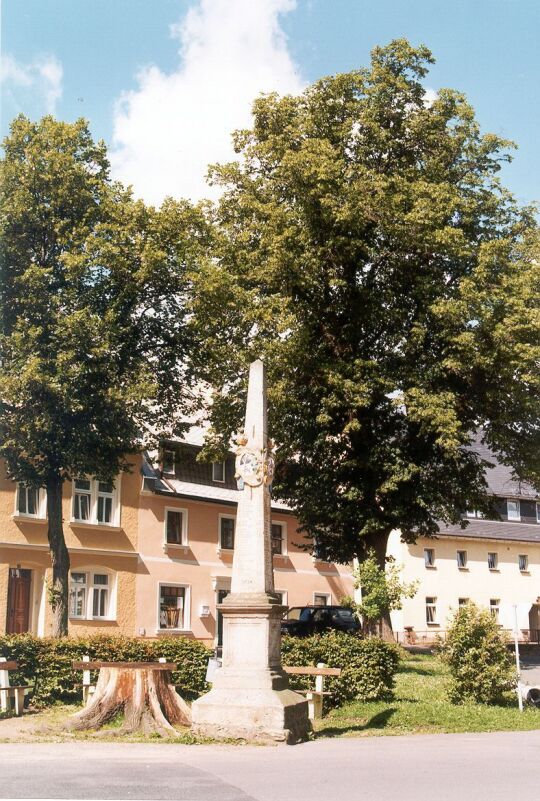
(512, 510)
(169, 463)
(30, 501)
(95, 502)
(77, 595)
(176, 526)
(429, 557)
(523, 561)
(473, 513)
(173, 606)
(321, 599)
(105, 501)
(461, 557)
(82, 499)
(90, 595)
(494, 608)
(100, 595)
(218, 471)
(493, 560)
(282, 595)
(431, 610)
(538, 512)
(277, 538)
(226, 532)
(463, 601)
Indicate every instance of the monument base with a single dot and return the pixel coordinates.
(259, 715)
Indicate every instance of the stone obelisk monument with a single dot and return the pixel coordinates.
(250, 697)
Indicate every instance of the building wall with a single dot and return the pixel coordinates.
(447, 583)
(205, 570)
(23, 544)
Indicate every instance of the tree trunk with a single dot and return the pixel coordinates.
(146, 697)
(59, 589)
(383, 626)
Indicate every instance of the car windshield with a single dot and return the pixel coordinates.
(346, 614)
(297, 613)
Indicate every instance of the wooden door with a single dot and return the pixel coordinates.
(18, 611)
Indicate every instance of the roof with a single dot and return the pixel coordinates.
(493, 530)
(500, 478)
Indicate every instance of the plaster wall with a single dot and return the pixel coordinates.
(204, 568)
(23, 543)
(447, 583)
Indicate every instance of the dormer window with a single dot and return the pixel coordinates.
(513, 511)
(168, 462)
(218, 472)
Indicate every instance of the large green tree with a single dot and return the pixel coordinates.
(367, 250)
(93, 341)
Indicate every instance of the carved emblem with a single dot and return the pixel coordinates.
(253, 467)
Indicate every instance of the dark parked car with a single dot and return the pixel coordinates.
(301, 621)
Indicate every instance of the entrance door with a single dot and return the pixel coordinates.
(221, 595)
(18, 611)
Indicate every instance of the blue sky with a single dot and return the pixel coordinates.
(165, 99)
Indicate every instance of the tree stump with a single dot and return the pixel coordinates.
(142, 691)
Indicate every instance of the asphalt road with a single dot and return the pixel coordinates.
(461, 767)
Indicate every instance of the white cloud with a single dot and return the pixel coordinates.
(34, 87)
(169, 129)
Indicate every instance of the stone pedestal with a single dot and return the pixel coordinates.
(250, 697)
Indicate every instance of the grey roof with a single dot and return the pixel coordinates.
(493, 530)
(499, 477)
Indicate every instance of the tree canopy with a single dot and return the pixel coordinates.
(368, 251)
(93, 336)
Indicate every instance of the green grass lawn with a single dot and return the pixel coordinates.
(420, 707)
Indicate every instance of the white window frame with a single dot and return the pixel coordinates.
(327, 595)
(517, 516)
(163, 462)
(91, 587)
(495, 608)
(187, 606)
(431, 564)
(41, 502)
(218, 480)
(220, 518)
(465, 561)
(284, 597)
(538, 512)
(94, 493)
(185, 540)
(283, 525)
(431, 603)
(524, 556)
(496, 564)
(472, 513)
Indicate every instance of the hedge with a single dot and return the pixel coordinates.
(368, 666)
(45, 663)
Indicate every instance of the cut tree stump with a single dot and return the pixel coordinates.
(141, 690)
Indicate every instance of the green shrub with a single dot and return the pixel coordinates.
(367, 666)
(476, 651)
(45, 664)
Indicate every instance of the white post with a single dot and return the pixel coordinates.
(86, 680)
(4, 682)
(518, 667)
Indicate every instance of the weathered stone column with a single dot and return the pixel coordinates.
(250, 697)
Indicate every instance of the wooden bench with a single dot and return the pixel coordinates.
(314, 697)
(86, 666)
(10, 692)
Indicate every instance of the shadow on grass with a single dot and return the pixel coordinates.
(378, 721)
(420, 671)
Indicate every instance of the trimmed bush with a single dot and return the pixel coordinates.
(45, 663)
(367, 666)
(476, 651)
